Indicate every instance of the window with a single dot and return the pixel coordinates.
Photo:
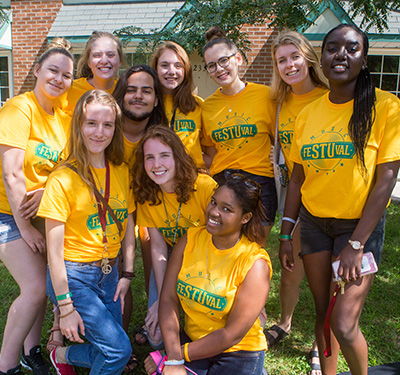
(385, 72)
(4, 80)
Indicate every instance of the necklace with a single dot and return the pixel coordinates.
(177, 220)
(99, 182)
(207, 275)
(226, 103)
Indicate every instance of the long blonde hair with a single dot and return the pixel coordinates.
(279, 88)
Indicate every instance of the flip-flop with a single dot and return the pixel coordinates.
(141, 335)
(131, 365)
(275, 340)
(314, 366)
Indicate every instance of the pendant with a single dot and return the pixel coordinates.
(230, 110)
(101, 191)
(105, 267)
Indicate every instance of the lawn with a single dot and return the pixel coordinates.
(380, 321)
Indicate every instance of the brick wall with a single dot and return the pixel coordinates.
(259, 67)
(32, 20)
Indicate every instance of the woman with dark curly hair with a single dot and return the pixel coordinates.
(171, 197)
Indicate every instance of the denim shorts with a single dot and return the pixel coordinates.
(8, 229)
(242, 362)
(319, 234)
(268, 191)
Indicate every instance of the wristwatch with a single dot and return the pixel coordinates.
(356, 245)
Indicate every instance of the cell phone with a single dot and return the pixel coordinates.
(368, 266)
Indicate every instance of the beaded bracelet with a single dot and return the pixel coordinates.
(128, 275)
(185, 351)
(174, 362)
(64, 296)
(63, 316)
(65, 304)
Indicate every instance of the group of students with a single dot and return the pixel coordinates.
(74, 189)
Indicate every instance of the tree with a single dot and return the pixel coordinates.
(193, 19)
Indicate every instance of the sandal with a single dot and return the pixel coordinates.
(140, 337)
(274, 339)
(52, 344)
(131, 365)
(314, 366)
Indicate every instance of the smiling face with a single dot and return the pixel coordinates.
(293, 67)
(98, 129)
(104, 59)
(140, 97)
(159, 164)
(223, 76)
(343, 56)
(224, 214)
(54, 76)
(170, 70)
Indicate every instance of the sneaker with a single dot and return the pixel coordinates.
(13, 371)
(34, 361)
(61, 368)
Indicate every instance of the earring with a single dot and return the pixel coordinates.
(363, 68)
(320, 65)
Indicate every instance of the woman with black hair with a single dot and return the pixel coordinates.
(346, 152)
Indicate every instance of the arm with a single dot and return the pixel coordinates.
(128, 251)
(14, 181)
(208, 154)
(292, 207)
(350, 260)
(169, 305)
(55, 244)
(250, 299)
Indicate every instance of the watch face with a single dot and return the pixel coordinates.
(356, 245)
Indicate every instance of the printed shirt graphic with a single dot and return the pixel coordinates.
(243, 136)
(291, 107)
(192, 213)
(67, 102)
(188, 127)
(208, 301)
(334, 185)
(68, 199)
(25, 125)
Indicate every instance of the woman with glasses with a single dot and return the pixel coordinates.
(296, 81)
(183, 109)
(220, 277)
(238, 123)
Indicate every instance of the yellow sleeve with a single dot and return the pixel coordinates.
(144, 218)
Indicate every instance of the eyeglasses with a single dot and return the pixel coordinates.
(247, 181)
(223, 62)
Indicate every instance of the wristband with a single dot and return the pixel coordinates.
(185, 351)
(64, 296)
(127, 275)
(174, 362)
(289, 219)
(285, 237)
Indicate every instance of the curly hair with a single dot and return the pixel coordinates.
(183, 96)
(215, 35)
(144, 188)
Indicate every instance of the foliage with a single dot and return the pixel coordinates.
(192, 20)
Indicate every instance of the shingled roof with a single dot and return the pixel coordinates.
(82, 20)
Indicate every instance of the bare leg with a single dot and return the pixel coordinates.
(23, 322)
(319, 274)
(146, 255)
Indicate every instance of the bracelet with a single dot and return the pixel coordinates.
(63, 316)
(65, 304)
(289, 219)
(127, 275)
(174, 362)
(185, 351)
(285, 237)
(284, 240)
(64, 296)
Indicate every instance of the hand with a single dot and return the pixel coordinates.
(152, 324)
(271, 155)
(122, 288)
(174, 370)
(30, 203)
(34, 239)
(70, 324)
(286, 255)
(350, 264)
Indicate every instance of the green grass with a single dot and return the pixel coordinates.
(380, 321)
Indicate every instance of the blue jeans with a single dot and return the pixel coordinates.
(92, 292)
(242, 362)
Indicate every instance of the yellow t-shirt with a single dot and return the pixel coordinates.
(291, 107)
(334, 185)
(188, 127)
(67, 102)
(24, 124)
(68, 199)
(207, 301)
(241, 127)
(192, 213)
(130, 151)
